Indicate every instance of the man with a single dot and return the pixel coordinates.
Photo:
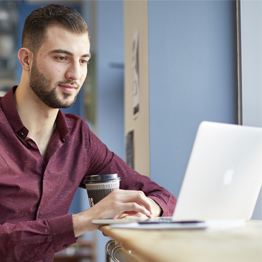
(45, 154)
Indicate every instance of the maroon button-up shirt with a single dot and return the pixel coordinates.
(36, 192)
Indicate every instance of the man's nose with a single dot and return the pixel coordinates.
(73, 72)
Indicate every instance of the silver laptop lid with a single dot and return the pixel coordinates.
(224, 173)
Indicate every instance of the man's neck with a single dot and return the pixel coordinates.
(37, 117)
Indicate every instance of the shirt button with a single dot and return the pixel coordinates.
(39, 215)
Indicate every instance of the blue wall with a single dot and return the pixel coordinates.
(192, 77)
(110, 78)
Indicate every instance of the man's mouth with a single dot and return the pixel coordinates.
(68, 87)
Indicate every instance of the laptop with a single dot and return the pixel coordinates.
(222, 181)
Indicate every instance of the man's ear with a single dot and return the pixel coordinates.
(25, 57)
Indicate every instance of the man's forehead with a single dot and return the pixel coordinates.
(59, 38)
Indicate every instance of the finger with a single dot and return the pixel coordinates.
(132, 215)
(134, 196)
(142, 218)
(127, 213)
(134, 207)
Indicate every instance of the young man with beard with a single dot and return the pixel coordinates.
(45, 154)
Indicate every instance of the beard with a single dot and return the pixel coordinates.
(41, 87)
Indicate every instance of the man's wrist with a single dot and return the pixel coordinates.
(156, 209)
(82, 223)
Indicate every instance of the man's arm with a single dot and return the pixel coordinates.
(103, 161)
(138, 196)
(35, 240)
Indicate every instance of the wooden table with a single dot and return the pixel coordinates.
(232, 245)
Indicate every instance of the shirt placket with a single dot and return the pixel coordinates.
(54, 145)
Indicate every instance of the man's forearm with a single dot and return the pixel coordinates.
(35, 240)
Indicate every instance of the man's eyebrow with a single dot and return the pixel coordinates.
(67, 52)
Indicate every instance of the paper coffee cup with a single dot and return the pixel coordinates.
(99, 186)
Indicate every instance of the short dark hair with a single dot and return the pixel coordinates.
(37, 23)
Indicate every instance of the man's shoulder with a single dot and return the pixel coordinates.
(70, 117)
(73, 120)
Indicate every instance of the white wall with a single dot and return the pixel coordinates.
(251, 70)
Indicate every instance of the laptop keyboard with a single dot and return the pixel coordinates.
(161, 219)
(157, 220)
(166, 220)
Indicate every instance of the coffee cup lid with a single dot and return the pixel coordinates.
(101, 178)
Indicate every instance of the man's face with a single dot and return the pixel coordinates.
(60, 67)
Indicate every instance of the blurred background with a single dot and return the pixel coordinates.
(8, 44)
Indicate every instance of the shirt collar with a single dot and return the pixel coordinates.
(11, 113)
(61, 124)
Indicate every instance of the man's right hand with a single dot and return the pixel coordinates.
(113, 205)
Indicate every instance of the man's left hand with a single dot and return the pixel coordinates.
(156, 212)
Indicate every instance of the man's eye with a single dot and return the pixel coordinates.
(84, 62)
(61, 58)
